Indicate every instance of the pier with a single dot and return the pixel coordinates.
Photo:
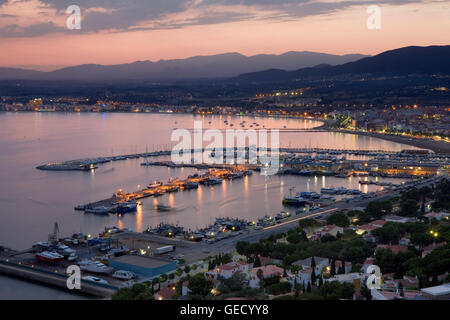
(92, 163)
(56, 278)
(215, 176)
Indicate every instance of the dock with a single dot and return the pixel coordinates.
(56, 279)
(215, 176)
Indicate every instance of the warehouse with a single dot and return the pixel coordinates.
(143, 266)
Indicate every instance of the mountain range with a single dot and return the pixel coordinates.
(408, 60)
(215, 66)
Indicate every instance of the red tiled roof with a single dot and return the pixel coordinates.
(166, 293)
(378, 222)
(338, 263)
(269, 270)
(367, 227)
(433, 246)
(395, 248)
(329, 228)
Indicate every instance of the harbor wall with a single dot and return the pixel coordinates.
(54, 279)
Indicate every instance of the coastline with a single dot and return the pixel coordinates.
(435, 146)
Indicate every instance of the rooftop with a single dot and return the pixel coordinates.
(307, 261)
(441, 290)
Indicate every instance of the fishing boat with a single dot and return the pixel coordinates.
(295, 201)
(155, 184)
(328, 190)
(125, 207)
(161, 207)
(191, 185)
(236, 175)
(213, 180)
(49, 256)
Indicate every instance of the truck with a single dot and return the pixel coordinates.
(165, 249)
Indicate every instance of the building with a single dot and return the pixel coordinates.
(331, 230)
(143, 266)
(354, 278)
(166, 293)
(267, 272)
(428, 249)
(369, 262)
(399, 219)
(370, 226)
(441, 292)
(394, 295)
(438, 216)
(393, 247)
(405, 241)
(226, 271)
(347, 268)
(306, 263)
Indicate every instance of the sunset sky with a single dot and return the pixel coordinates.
(33, 33)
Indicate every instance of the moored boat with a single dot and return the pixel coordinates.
(98, 210)
(49, 256)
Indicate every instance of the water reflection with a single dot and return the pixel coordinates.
(33, 200)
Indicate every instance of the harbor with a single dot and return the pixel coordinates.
(252, 203)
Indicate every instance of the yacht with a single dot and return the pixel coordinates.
(72, 257)
(95, 267)
(98, 210)
(49, 256)
(213, 180)
(191, 185)
(124, 275)
(155, 184)
(95, 279)
(127, 207)
(328, 190)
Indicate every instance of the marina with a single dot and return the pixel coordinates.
(45, 194)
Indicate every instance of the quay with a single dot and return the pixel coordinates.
(93, 163)
(215, 175)
(57, 279)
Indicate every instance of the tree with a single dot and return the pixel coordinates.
(313, 263)
(260, 274)
(320, 282)
(333, 290)
(365, 292)
(307, 223)
(313, 276)
(342, 267)
(199, 285)
(234, 283)
(139, 291)
(409, 208)
(339, 219)
(257, 262)
(279, 288)
(187, 269)
(400, 287)
(333, 267)
(308, 288)
(376, 209)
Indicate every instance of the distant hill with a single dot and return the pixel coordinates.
(214, 66)
(17, 74)
(408, 60)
